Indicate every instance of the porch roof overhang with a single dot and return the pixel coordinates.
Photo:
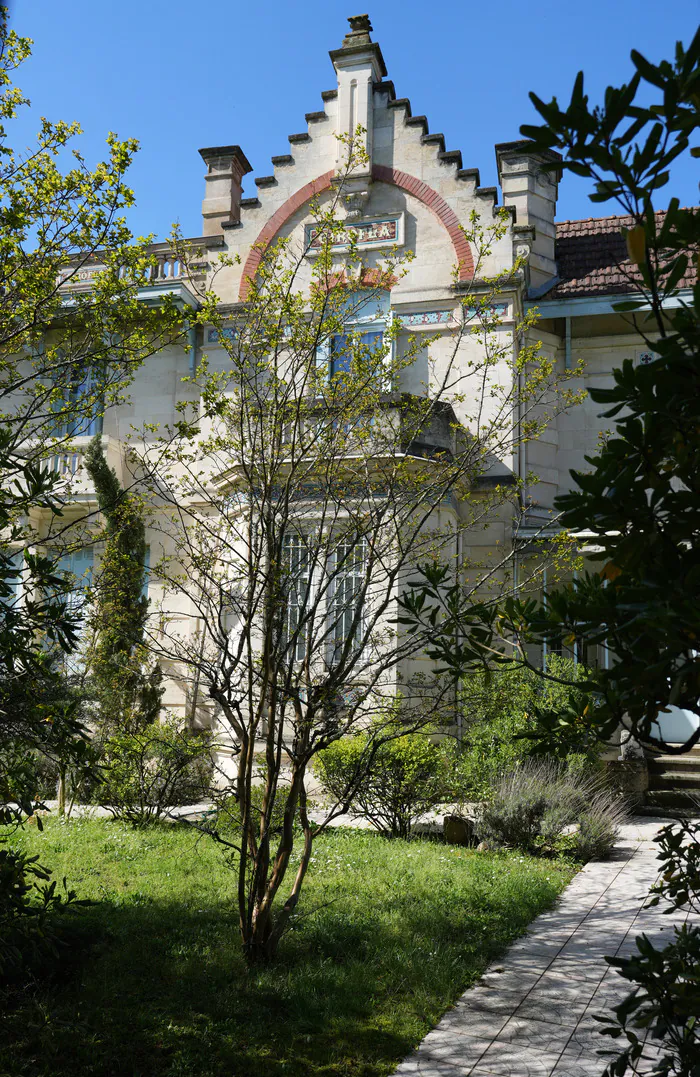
(586, 306)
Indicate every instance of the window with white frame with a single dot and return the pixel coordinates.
(366, 319)
(345, 607)
(78, 566)
(296, 568)
(13, 573)
(342, 577)
(82, 401)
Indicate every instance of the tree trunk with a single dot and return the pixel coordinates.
(61, 790)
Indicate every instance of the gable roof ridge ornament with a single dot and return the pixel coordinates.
(358, 42)
(359, 67)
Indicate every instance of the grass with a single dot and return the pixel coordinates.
(389, 934)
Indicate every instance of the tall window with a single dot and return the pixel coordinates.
(83, 403)
(78, 565)
(342, 614)
(345, 613)
(296, 567)
(14, 578)
(366, 320)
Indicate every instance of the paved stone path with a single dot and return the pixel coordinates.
(531, 1015)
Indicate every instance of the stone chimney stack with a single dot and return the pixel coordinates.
(226, 167)
(532, 190)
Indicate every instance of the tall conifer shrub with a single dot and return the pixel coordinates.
(127, 690)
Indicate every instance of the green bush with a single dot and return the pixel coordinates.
(542, 806)
(29, 900)
(500, 722)
(598, 827)
(228, 812)
(147, 772)
(393, 787)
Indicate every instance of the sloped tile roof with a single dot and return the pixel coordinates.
(592, 258)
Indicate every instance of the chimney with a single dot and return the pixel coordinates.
(532, 190)
(226, 167)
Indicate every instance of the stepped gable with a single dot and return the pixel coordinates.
(591, 257)
(355, 40)
(358, 48)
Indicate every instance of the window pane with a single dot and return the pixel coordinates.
(295, 567)
(83, 403)
(340, 354)
(14, 577)
(345, 611)
(373, 340)
(342, 348)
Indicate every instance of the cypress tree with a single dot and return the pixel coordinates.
(127, 690)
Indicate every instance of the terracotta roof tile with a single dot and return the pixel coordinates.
(592, 258)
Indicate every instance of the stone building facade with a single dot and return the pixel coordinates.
(412, 193)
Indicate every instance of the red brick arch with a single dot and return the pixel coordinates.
(425, 194)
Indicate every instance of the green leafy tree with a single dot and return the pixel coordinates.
(63, 360)
(641, 496)
(294, 502)
(126, 684)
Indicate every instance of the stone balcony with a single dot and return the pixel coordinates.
(167, 274)
(67, 462)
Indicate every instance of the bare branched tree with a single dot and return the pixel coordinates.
(330, 453)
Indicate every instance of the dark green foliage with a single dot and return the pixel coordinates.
(35, 718)
(679, 878)
(663, 1006)
(641, 492)
(393, 785)
(501, 722)
(29, 902)
(541, 806)
(147, 771)
(641, 496)
(127, 689)
(387, 937)
(664, 1003)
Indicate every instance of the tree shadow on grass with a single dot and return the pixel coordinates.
(157, 989)
(162, 990)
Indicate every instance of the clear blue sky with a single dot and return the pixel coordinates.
(180, 75)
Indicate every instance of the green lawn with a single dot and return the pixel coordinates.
(390, 933)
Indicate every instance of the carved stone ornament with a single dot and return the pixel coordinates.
(360, 22)
(356, 204)
(360, 29)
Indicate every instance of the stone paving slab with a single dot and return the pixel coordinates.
(532, 1013)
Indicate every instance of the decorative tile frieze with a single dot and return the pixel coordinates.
(379, 232)
(427, 318)
(214, 336)
(498, 310)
